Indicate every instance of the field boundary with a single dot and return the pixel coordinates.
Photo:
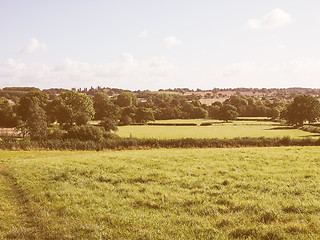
(147, 143)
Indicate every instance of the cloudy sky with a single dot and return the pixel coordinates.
(152, 44)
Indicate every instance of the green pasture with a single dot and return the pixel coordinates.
(245, 120)
(217, 130)
(240, 193)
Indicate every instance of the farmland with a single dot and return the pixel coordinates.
(259, 193)
(218, 129)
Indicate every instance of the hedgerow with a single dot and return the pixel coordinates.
(133, 143)
(309, 128)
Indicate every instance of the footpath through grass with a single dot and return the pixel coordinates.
(257, 193)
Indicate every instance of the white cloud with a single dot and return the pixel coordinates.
(127, 73)
(171, 41)
(127, 57)
(143, 34)
(154, 73)
(282, 46)
(275, 19)
(33, 47)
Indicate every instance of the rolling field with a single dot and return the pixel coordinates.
(257, 193)
(217, 130)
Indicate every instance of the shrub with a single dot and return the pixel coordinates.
(206, 124)
(56, 134)
(91, 138)
(110, 135)
(109, 124)
(85, 133)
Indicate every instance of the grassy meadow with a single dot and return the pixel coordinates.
(237, 193)
(218, 129)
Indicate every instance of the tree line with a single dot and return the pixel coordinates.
(67, 114)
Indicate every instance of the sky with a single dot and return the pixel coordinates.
(153, 44)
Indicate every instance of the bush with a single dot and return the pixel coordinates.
(206, 124)
(312, 129)
(79, 140)
(56, 134)
(85, 133)
(109, 124)
(110, 135)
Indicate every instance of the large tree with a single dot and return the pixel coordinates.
(303, 108)
(28, 99)
(72, 108)
(126, 99)
(104, 108)
(32, 115)
(144, 115)
(240, 102)
(7, 118)
(228, 112)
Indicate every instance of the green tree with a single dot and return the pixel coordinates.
(32, 115)
(240, 102)
(198, 112)
(23, 109)
(104, 108)
(72, 107)
(35, 123)
(7, 117)
(109, 124)
(127, 115)
(303, 108)
(228, 112)
(144, 115)
(214, 111)
(126, 99)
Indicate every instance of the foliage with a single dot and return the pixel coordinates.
(310, 128)
(72, 107)
(76, 140)
(104, 108)
(37, 122)
(109, 124)
(214, 111)
(33, 118)
(7, 116)
(27, 101)
(125, 120)
(127, 115)
(228, 112)
(143, 115)
(126, 99)
(239, 102)
(303, 108)
(56, 133)
(85, 133)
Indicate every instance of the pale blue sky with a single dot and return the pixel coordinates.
(149, 44)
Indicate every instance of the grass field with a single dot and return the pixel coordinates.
(217, 130)
(257, 193)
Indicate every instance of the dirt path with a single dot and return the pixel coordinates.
(17, 216)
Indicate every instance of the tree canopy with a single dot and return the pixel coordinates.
(104, 108)
(303, 108)
(72, 107)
